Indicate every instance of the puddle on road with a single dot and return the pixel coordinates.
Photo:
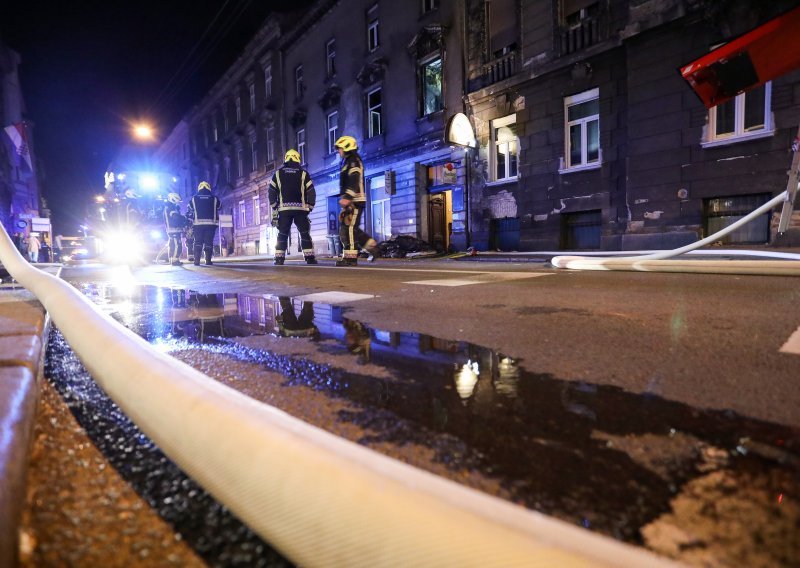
(679, 480)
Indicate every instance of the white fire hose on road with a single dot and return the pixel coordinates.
(663, 261)
(318, 499)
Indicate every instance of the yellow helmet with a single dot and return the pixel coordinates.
(347, 143)
(291, 155)
(174, 198)
(204, 185)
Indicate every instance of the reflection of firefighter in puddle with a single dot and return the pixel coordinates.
(291, 325)
(357, 338)
(200, 316)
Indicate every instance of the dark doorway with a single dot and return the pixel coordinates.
(581, 230)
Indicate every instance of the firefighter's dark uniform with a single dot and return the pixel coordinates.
(203, 212)
(292, 193)
(175, 223)
(351, 190)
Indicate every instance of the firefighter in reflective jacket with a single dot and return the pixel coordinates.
(203, 212)
(290, 325)
(352, 200)
(175, 223)
(292, 193)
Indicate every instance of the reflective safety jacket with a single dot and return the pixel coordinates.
(291, 189)
(351, 179)
(173, 219)
(203, 208)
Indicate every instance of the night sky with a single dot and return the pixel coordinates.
(90, 67)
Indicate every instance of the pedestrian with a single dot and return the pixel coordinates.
(352, 200)
(19, 243)
(203, 212)
(292, 195)
(57, 248)
(175, 224)
(33, 247)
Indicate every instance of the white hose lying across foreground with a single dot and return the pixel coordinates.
(318, 499)
(657, 262)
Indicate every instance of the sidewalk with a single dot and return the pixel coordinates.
(23, 337)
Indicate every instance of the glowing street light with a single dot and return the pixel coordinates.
(143, 132)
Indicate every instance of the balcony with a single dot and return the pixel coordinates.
(500, 68)
(579, 36)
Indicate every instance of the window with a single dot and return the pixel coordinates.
(242, 214)
(227, 169)
(373, 40)
(301, 145)
(252, 89)
(330, 57)
(333, 131)
(504, 148)
(576, 11)
(214, 129)
(431, 82)
(240, 162)
(254, 153)
(582, 134)
(270, 144)
(374, 113)
(256, 210)
(503, 25)
(745, 117)
(238, 110)
(299, 87)
(429, 5)
(268, 81)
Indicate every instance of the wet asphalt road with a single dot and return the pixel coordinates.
(631, 404)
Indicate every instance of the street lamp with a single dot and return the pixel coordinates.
(143, 132)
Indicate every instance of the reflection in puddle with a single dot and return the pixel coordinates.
(621, 463)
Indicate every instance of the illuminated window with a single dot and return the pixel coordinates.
(254, 153)
(242, 214)
(268, 81)
(373, 39)
(301, 145)
(374, 113)
(744, 117)
(270, 144)
(256, 210)
(333, 131)
(330, 57)
(431, 83)
(299, 85)
(240, 161)
(582, 133)
(215, 131)
(504, 148)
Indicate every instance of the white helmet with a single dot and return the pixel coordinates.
(174, 198)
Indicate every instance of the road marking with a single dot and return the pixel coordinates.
(792, 344)
(485, 278)
(334, 297)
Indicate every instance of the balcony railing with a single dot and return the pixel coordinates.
(500, 68)
(581, 36)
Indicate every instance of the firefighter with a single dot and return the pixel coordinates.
(203, 212)
(352, 200)
(131, 207)
(175, 223)
(292, 195)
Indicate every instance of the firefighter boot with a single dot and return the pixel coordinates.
(311, 259)
(347, 262)
(278, 261)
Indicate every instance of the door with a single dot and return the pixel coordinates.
(381, 220)
(438, 221)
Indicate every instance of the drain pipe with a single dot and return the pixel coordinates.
(318, 499)
(658, 261)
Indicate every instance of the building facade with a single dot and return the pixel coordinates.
(587, 136)
(20, 199)
(613, 149)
